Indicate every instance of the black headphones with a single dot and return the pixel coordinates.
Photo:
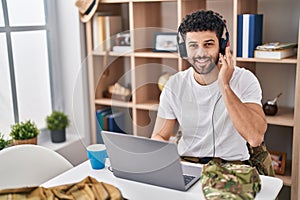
(182, 46)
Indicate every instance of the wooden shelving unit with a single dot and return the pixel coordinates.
(285, 116)
(143, 67)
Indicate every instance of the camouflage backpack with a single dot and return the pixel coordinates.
(229, 181)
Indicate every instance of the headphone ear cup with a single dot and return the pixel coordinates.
(182, 50)
(223, 44)
(181, 45)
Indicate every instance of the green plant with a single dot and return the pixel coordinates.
(24, 130)
(57, 121)
(4, 142)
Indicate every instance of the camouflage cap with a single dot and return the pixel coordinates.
(229, 181)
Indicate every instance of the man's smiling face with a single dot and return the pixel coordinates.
(203, 50)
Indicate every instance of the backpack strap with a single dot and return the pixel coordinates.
(260, 158)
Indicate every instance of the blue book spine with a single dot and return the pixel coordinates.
(255, 33)
(99, 123)
(249, 34)
(240, 36)
(98, 133)
(116, 122)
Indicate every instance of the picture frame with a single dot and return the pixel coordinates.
(278, 161)
(165, 42)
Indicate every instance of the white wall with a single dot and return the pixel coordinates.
(74, 89)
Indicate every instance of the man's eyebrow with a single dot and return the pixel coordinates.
(210, 40)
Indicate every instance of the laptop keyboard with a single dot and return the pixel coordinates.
(188, 179)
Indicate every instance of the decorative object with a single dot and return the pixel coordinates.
(57, 123)
(118, 92)
(278, 161)
(122, 43)
(163, 80)
(165, 42)
(24, 133)
(270, 107)
(4, 142)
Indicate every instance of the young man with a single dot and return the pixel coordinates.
(217, 105)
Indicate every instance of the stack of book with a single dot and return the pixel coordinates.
(275, 50)
(250, 29)
(109, 120)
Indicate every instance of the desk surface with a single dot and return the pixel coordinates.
(136, 191)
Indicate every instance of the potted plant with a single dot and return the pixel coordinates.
(24, 133)
(4, 142)
(57, 123)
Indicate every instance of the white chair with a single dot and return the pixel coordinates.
(29, 165)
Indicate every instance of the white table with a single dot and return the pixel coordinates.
(135, 191)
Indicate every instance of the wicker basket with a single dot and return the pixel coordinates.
(27, 141)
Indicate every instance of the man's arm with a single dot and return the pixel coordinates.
(248, 118)
(163, 129)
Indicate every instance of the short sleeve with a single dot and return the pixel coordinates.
(252, 92)
(165, 109)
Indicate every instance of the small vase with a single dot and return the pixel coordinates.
(26, 141)
(58, 136)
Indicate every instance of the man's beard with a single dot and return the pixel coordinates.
(203, 70)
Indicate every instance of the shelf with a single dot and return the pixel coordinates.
(114, 1)
(290, 60)
(127, 54)
(127, 1)
(284, 117)
(140, 54)
(156, 55)
(148, 105)
(152, 0)
(114, 103)
(286, 178)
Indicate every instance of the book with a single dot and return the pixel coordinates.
(104, 28)
(249, 34)
(115, 122)
(275, 54)
(99, 123)
(100, 114)
(276, 46)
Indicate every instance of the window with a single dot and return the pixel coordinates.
(25, 64)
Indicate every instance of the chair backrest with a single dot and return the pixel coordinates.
(29, 165)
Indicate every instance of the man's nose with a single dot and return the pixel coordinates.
(201, 52)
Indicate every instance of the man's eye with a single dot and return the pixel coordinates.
(193, 45)
(208, 44)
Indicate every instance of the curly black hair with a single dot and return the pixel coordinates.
(202, 20)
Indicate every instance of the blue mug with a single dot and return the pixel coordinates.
(97, 155)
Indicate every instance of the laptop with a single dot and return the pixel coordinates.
(148, 161)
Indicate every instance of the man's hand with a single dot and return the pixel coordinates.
(226, 69)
